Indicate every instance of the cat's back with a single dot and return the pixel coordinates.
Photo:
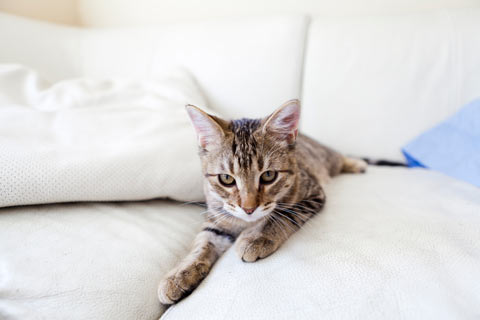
(317, 159)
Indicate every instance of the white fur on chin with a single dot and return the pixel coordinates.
(256, 215)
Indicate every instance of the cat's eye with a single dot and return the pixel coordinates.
(226, 180)
(268, 177)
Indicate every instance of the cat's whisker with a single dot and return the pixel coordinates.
(304, 206)
(217, 217)
(291, 219)
(293, 228)
(288, 218)
(223, 218)
(197, 203)
(220, 219)
(300, 215)
(282, 225)
(304, 200)
(302, 220)
(214, 219)
(279, 226)
(300, 208)
(285, 223)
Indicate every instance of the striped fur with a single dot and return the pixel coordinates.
(244, 149)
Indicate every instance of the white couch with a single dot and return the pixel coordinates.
(394, 243)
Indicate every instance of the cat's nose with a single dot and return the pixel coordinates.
(249, 210)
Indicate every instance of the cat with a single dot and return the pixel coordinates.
(262, 182)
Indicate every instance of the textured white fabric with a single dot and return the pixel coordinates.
(373, 83)
(90, 261)
(96, 140)
(390, 244)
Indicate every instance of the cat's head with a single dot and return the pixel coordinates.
(249, 164)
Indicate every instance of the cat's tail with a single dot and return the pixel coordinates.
(359, 165)
(381, 162)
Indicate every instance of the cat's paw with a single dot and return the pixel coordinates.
(181, 282)
(251, 248)
(352, 165)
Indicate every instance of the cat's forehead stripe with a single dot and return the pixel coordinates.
(260, 162)
(244, 145)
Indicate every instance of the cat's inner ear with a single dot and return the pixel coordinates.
(284, 121)
(209, 130)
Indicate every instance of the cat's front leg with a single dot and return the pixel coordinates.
(257, 242)
(208, 246)
(262, 240)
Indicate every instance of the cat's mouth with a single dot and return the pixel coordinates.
(259, 213)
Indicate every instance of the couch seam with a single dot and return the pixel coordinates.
(304, 55)
(454, 46)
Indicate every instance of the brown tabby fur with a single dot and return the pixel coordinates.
(245, 149)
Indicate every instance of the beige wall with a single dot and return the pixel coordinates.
(60, 11)
(144, 12)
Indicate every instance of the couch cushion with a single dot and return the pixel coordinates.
(393, 243)
(373, 83)
(245, 66)
(90, 260)
(51, 49)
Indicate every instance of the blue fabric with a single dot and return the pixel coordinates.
(452, 147)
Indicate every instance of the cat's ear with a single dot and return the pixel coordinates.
(209, 130)
(284, 121)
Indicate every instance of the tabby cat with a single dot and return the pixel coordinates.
(263, 181)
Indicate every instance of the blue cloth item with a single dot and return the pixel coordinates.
(452, 147)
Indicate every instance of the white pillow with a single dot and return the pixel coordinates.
(96, 139)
